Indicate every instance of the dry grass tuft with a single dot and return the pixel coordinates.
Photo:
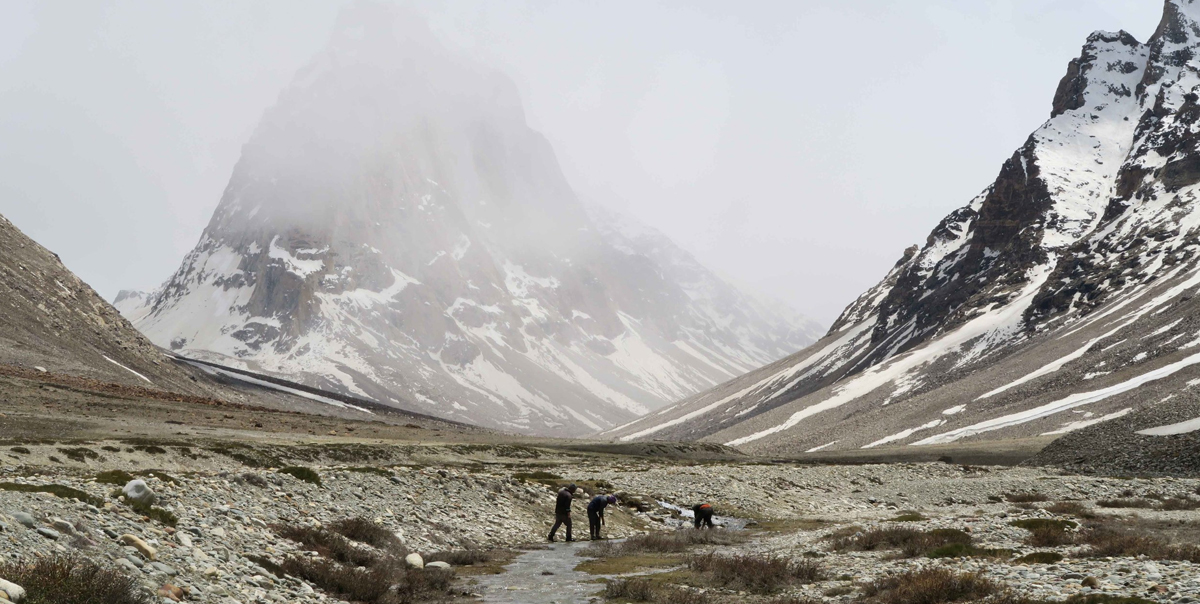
(461, 557)
(365, 531)
(1026, 497)
(757, 574)
(911, 542)
(929, 586)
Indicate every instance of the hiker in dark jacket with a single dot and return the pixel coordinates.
(595, 512)
(703, 514)
(562, 511)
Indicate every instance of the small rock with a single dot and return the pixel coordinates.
(49, 533)
(15, 592)
(414, 560)
(171, 592)
(163, 568)
(183, 539)
(62, 526)
(141, 546)
(24, 520)
(137, 491)
(1073, 576)
(41, 369)
(438, 564)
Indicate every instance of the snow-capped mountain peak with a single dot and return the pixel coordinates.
(395, 230)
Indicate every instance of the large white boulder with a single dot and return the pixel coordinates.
(137, 491)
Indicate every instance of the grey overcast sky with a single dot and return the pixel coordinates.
(794, 146)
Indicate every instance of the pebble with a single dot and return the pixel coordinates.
(141, 546)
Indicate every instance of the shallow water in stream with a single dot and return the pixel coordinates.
(524, 580)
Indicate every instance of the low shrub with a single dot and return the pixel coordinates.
(59, 579)
(755, 573)
(1177, 504)
(910, 542)
(1133, 504)
(1026, 497)
(252, 479)
(1012, 598)
(154, 512)
(1040, 558)
(460, 557)
(929, 586)
(1106, 542)
(114, 477)
(57, 490)
(665, 543)
(636, 590)
(372, 470)
(1070, 508)
(966, 550)
(328, 544)
(308, 475)
(1046, 532)
(365, 531)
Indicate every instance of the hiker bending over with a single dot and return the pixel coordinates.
(703, 514)
(595, 512)
(562, 511)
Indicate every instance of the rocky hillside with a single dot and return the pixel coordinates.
(394, 230)
(1060, 297)
(56, 323)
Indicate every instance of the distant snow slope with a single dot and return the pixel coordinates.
(1057, 299)
(395, 230)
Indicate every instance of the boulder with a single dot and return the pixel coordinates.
(438, 564)
(136, 543)
(15, 592)
(138, 492)
(414, 560)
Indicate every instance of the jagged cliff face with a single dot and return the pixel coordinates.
(1081, 255)
(394, 229)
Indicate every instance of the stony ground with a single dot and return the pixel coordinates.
(225, 525)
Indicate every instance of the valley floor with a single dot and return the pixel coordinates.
(260, 505)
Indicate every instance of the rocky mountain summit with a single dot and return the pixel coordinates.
(395, 230)
(1060, 297)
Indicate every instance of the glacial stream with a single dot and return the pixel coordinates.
(542, 576)
(548, 576)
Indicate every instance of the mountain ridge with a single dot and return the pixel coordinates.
(996, 326)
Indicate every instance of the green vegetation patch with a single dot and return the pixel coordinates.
(308, 475)
(1040, 558)
(57, 490)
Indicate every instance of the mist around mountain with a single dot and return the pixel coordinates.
(1060, 298)
(395, 230)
